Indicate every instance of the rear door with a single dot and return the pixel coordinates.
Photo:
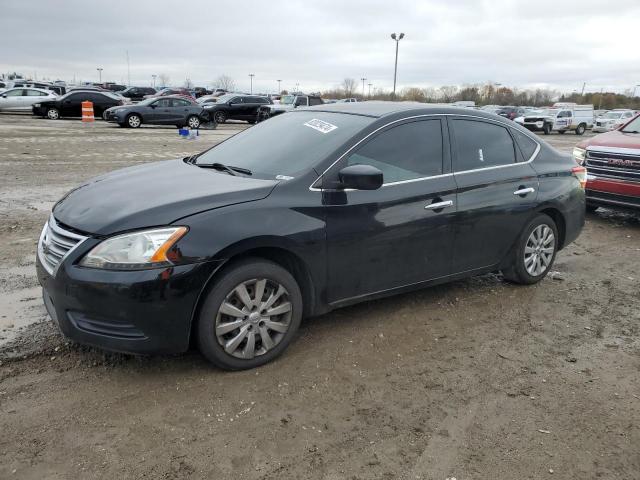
(400, 234)
(497, 190)
(179, 110)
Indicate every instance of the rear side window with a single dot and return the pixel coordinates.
(526, 144)
(409, 151)
(315, 101)
(35, 93)
(178, 102)
(481, 145)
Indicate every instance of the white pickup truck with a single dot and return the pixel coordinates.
(561, 118)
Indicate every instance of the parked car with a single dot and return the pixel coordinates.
(310, 211)
(612, 120)
(70, 105)
(560, 119)
(612, 160)
(207, 99)
(135, 94)
(167, 110)
(236, 107)
(23, 98)
(201, 91)
(347, 100)
(510, 112)
(288, 103)
(171, 91)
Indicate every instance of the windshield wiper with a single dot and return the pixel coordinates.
(230, 169)
(191, 159)
(630, 131)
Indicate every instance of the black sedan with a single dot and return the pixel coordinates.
(313, 210)
(70, 105)
(135, 94)
(236, 107)
(177, 110)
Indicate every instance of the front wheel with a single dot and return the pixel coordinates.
(581, 129)
(134, 121)
(53, 113)
(546, 128)
(193, 122)
(250, 315)
(534, 253)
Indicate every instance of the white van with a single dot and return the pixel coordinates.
(561, 118)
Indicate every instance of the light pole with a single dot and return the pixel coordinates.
(99, 74)
(279, 89)
(397, 39)
(251, 75)
(297, 87)
(369, 88)
(154, 80)
(584, 84)
(363, 79)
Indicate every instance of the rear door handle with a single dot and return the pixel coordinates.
(524, 191)
(439, 205)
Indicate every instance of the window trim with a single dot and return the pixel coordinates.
(445, 116)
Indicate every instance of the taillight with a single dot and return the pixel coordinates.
(581, 174)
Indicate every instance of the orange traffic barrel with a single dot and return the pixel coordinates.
(87, 111)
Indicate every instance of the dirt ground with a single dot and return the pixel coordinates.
(478, 379)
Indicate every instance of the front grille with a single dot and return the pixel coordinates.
(614, 165)
(55, 244)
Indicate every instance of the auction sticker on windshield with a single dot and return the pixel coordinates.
(320, 125)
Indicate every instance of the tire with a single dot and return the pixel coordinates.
(251, 122)
(546, 129)
(524, 267)
(193, 121)
(561, 132)
(591, 208)
(220, 117)
(134, 120)
(53, 113)
(581, 129)
(249, 321)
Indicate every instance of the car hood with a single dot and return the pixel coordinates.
(153, 194)
(615, 139)
(280, 106)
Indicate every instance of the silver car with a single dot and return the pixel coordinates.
(22, 98)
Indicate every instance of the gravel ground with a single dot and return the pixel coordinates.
(475, 380)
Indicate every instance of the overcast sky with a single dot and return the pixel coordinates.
(549, 43)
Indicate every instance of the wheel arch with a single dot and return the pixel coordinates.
(561, 224)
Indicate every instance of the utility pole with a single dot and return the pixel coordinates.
(363, 79)
(584, 84)
(154, 80)
(600, 101)
(128, 71)
(251, 75)
(279, 89)
(99, 74)
(397, 39)
(369, 88)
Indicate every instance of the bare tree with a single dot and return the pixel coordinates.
(188, 84)
(163, 79)
(349, 86)
(225, 82)
(448, 92)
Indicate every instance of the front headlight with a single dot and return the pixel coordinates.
(134, 251)
(579, 155)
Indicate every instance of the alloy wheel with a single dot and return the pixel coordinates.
(538, 252)
(134, 121)
(53, 114)
(220, 117)
(193, 122)
(253, 318)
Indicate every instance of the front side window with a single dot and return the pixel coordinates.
(14, 93)
(481, 145)
(163, 103)
(406, 152)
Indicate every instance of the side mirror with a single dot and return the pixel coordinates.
(360, 177)
(153, 105)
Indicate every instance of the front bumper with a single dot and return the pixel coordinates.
(612, 192)
(146, 311)
(112, 117)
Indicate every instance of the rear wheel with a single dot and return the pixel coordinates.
(134, 120)
(193, 122)
(220, 117)
(534, 252)
(250, 316)
(581, 129)
(53, 113)
(546, 128)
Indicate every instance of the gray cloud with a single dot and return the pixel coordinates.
(316, 44)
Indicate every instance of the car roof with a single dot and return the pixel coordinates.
(378, 109)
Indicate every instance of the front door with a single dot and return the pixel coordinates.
(497, 191)
(400, 234)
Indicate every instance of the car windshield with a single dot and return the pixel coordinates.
(225, 98)
(633, 126)
(287, 99)
(287, 144)
(614, 115)
(206, 99)
(148, 101)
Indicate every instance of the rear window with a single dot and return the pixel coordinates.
(287, 144)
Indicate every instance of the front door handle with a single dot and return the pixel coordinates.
(524, 191)
(439, 205)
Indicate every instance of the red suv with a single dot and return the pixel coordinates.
(613, 167)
